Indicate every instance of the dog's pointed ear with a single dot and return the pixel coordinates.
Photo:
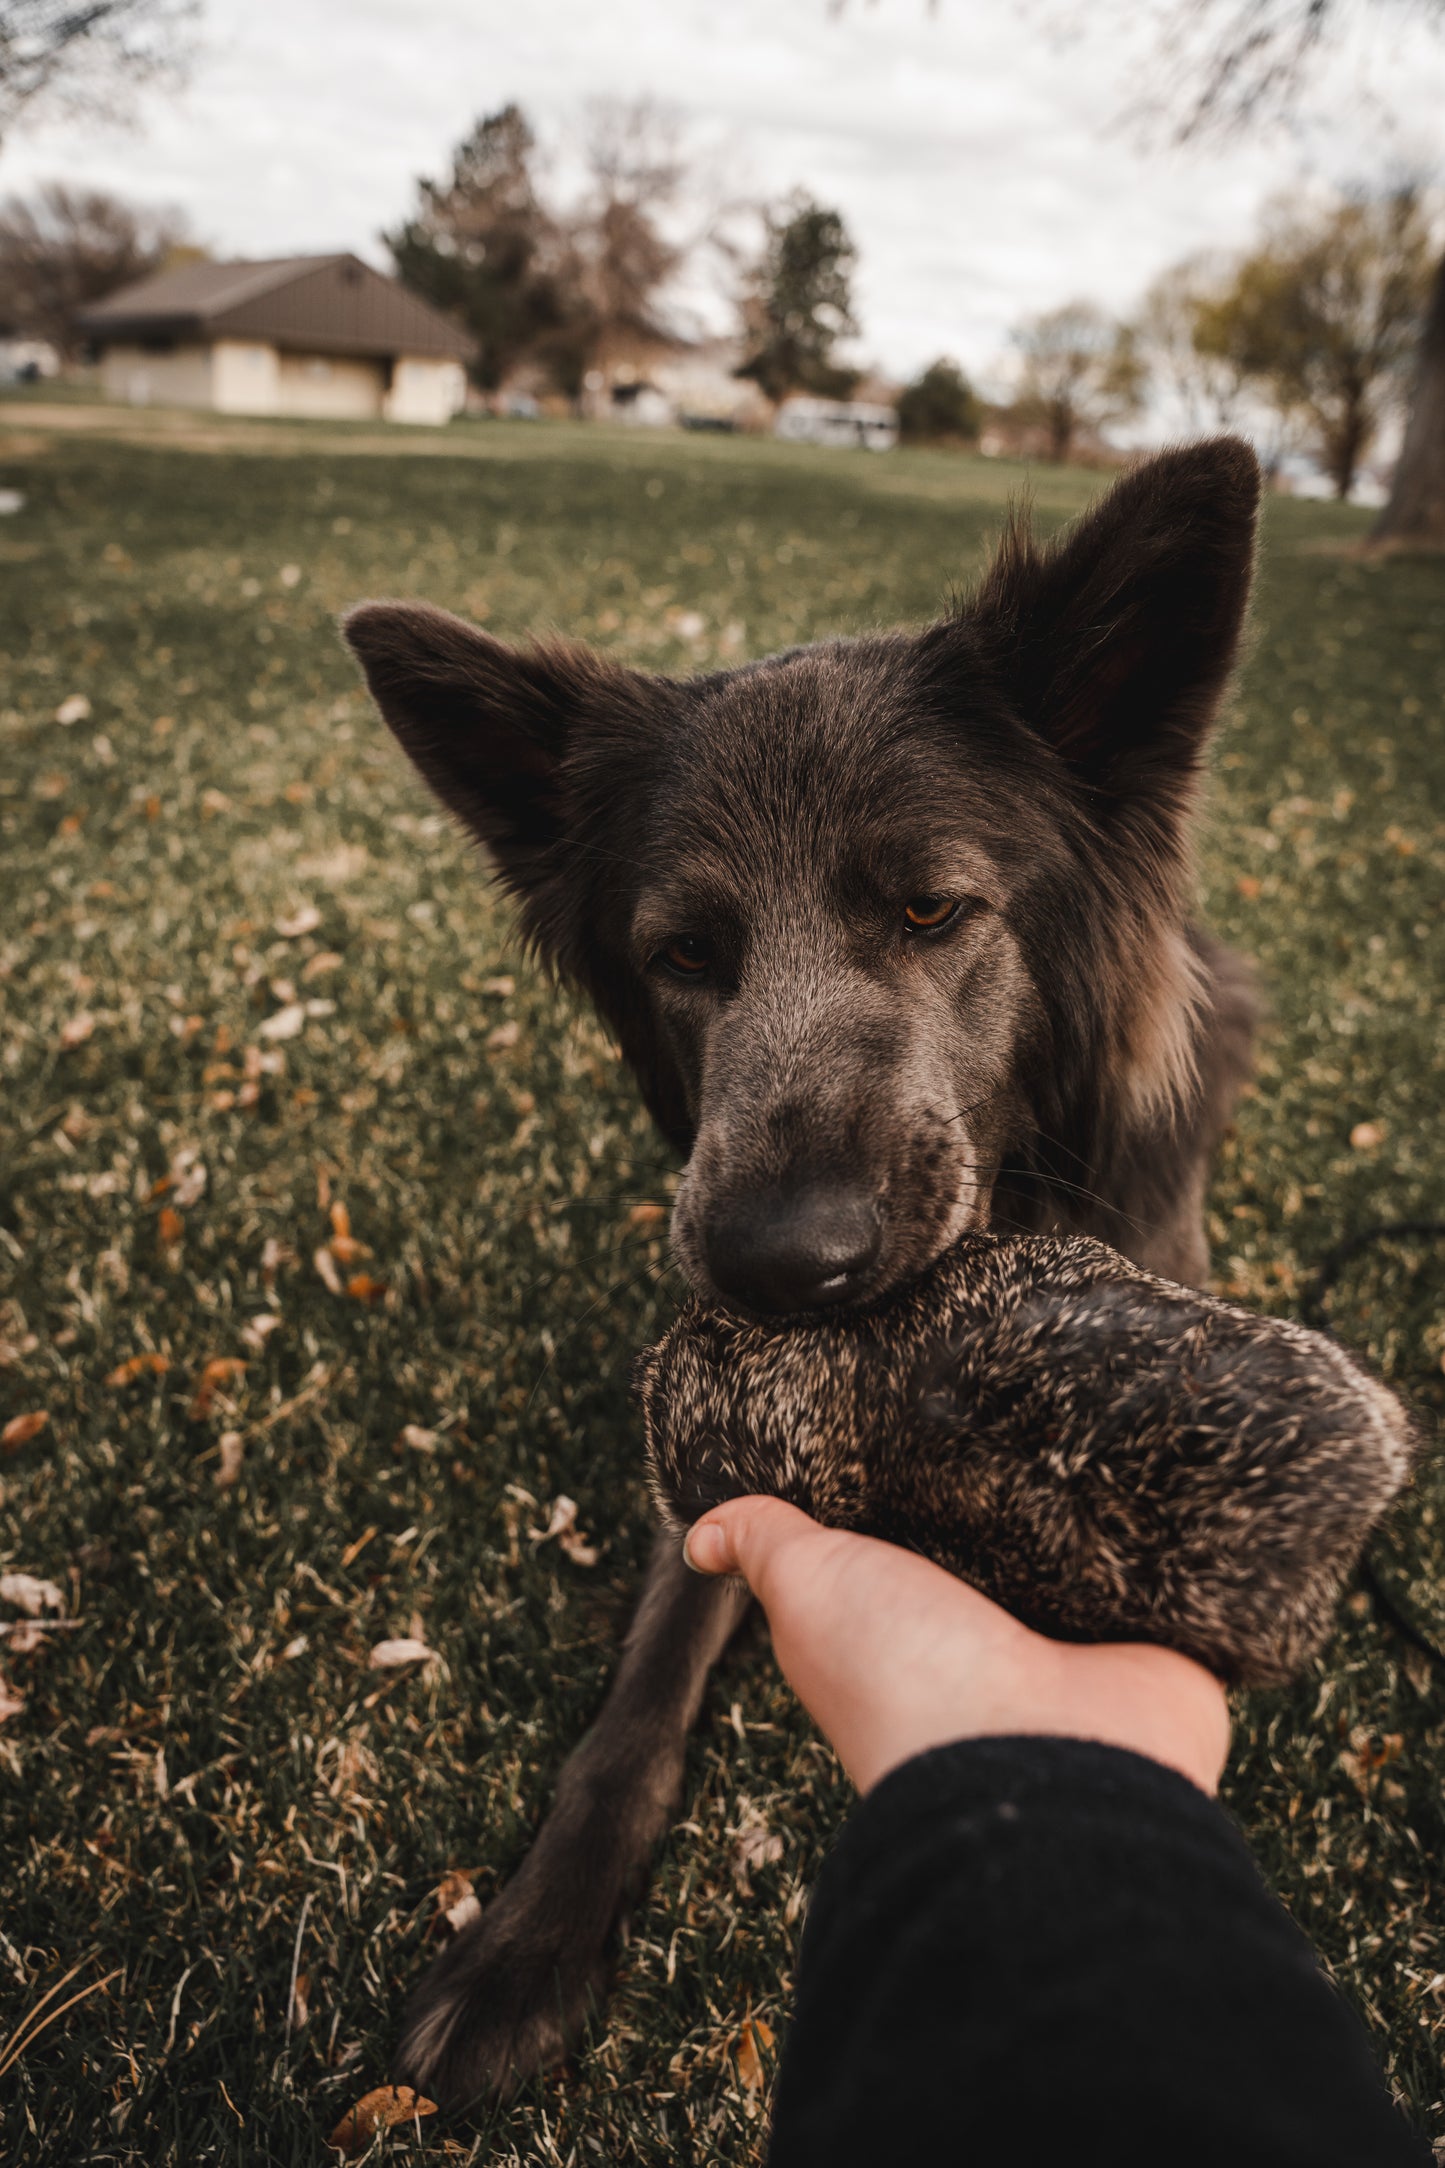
(488, 726)
(1116, 642)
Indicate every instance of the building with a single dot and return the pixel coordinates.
(657, 381)
(838, 421)
(322, 336)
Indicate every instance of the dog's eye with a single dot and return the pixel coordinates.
(686, 957)
(927, 914)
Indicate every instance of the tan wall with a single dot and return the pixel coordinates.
(180, 377)
(326, 387)
(425, 391)
(244, 376)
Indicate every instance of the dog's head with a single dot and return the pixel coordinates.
(867, 916)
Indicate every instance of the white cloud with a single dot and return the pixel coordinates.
(972, 156)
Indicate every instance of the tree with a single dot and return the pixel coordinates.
(482, 247)
(1235, 64)
(63, 248)
(1323, 319)
(797, 303)
(636, 172)
(940, 407)
(1079, 370)
(1205, 381)
(83, 55)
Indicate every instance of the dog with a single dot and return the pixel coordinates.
(1110, 1456)
(895, 933)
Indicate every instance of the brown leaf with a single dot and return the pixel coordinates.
(325, 1264)
(647, 1215)
(755, 2038)
(317, 966)
(170, 1226)
(361, 1287)
(76, 1030)
(219, 1371)
(755, 1846)
(30, 1595)
(137, 1366)
(381, 2109)
(306, 920)
(11, 1703)
(390, 1655)
(21, 1429)
(457, 1903)
(1249, 886)
(504, 1036)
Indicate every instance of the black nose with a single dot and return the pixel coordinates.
(802, 1249)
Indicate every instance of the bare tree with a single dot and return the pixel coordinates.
(1206, 386)
(1079, 371)
(86, 55)
(63, 248)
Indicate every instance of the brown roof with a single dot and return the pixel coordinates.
(308, 304)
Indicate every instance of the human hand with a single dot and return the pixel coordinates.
(890, 1655)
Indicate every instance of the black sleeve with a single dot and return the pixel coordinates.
(1039, 1951)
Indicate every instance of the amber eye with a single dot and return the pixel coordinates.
(686, 957)
(926, 914)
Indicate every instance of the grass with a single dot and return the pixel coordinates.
(207, 1784)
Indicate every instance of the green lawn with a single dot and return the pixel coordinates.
(207, 1781)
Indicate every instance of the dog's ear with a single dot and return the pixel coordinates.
(1116, 642)
(494, 730)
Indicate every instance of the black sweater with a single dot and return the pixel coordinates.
(1039, 1951)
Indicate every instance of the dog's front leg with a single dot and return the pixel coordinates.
(509, 1996)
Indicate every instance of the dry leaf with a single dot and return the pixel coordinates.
(420, 1441)
(1249, 886)
(30, 1595)
(504, 1036)
(21, 1429)
(382, 2109)
(562, 1524)
(646, 1215)
(11, 1703)
(343, 1245)
(755, 1846)
(388, 1655)
(258, 1330)
(188, 1179)
(457, 1903)
(325, 1264)
(219, 1371)
(503, 986)
(74, 709)
(306, 920)
(170, 1227)
(76, 1030)
(1366, 1135)
(138, 1366)
(755, 2038)
(233, 1452)
(317, 966)
(300, 1999)
(361, 1287)
(286, 1023)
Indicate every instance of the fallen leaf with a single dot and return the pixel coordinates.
(420, 1441)
(343, 1245)
(1365, 1136)
(1249, 886)
(233, 1452)
(11, 1703)
(170, 1227)
(646, 1215)
(388, 1655)
(317, 966)
(755, 1846)
(503, 987)
(1367, 1754)
(76, 1030)
(258, 1330)
(219, 1371)
(21, 1429)
(361, 1287)
(563, 1525)
(300, 1999)
(75, 709)
(457, 1902)
(325, 1264)
(305, 920)
(188, 1175)
(755, 2037)
(286, 1023)
(382, 2109)
(504, 1036)
(137, 1366)
(30, 1595)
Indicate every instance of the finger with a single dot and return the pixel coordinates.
(747, 1536)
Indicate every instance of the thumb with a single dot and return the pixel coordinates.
(750, 1536)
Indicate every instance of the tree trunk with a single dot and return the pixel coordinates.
(1416, 510)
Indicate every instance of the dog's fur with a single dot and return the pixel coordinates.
(1109, 1455)
(851, 1096)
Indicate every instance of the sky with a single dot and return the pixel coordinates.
(978, 156)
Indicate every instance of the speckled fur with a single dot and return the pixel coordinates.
(1109, 1455)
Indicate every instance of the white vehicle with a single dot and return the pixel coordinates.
(837, 421)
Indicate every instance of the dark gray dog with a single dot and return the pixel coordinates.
(1108, 1455)
(895, 934)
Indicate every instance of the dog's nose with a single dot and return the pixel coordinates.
(796, 1250)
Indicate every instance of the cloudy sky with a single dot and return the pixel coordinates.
(976, 154)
